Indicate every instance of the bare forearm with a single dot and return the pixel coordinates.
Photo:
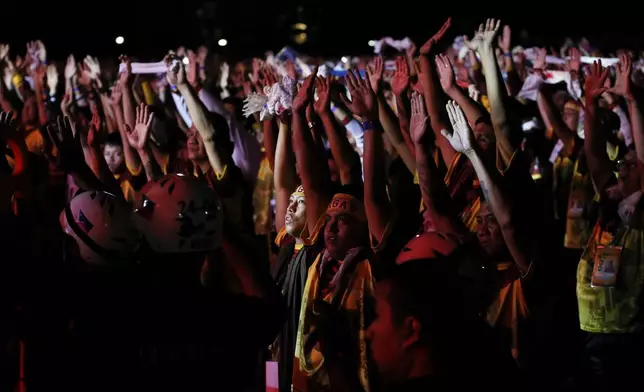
(131, 157)
(284, 173)
(128, 105)
(150, 164)
(389, 123)
(637, 126)
(343, 154)
(502, 210)
(315, 186)
(436, 198)
(375, 193)
(270, 140)
(403, 105)
(599, 163)
(435, 103)
(496, 95)
(198, 114)
(473, 112)
(552, 118)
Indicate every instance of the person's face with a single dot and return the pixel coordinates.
(196, 150)
(628, 176)
(342, 232)
(114, 157)
(386, 343)
(295, 216)
(484, 135)
(489, 232)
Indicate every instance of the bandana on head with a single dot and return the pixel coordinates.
(299, 192)
(347, 204)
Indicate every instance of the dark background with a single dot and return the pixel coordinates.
(335, 28)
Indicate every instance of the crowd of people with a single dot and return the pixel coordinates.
(463, 214)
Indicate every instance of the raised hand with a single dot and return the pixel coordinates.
(505, 40)
(400, 81)
(623, 81)
(66, 102)
(70, 154)
(323, 88)
(138, 137)
(427, 46)
(202, 54)
(462, 139)
(176, 74)
(376, 70)
(268, 76)
(594, 86)
(418, 121)
(52, 78)
(126, 76)
(363, 99)
(484, 36)
(4, 51)
(93, 67)
(304, 95)
(445, 72)
(70, 67)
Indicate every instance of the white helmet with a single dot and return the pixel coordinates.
(102, 226)
(179, 214)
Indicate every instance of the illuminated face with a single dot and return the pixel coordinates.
(342, 232)
(628, 176)
(295, 220)
(114, 158)
(489, 232)
(196, 149)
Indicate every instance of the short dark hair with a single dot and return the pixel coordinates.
(459, 339)
(114, 139)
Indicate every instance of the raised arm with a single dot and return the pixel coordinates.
(473, 111)
(600, 165)
(400, 87)
(316, 185)
(365, 104)
(345, 158)
(98, 163)
(139, 138)
(131, 158)
(508, 139)
(177, 76)
(436, 198)
(434, 98)
(624, 87)
(284, 176)
(490, 179)
(387, 117)
(552, 118)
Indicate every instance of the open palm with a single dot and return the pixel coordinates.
(462, 139)
(138, 137)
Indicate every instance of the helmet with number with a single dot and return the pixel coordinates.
(102, 226)
(427, 246)
(179, 214)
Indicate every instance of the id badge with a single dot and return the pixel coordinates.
(606, 266)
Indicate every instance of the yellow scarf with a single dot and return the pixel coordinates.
(309, 373)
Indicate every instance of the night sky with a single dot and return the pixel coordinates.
(251, 27)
